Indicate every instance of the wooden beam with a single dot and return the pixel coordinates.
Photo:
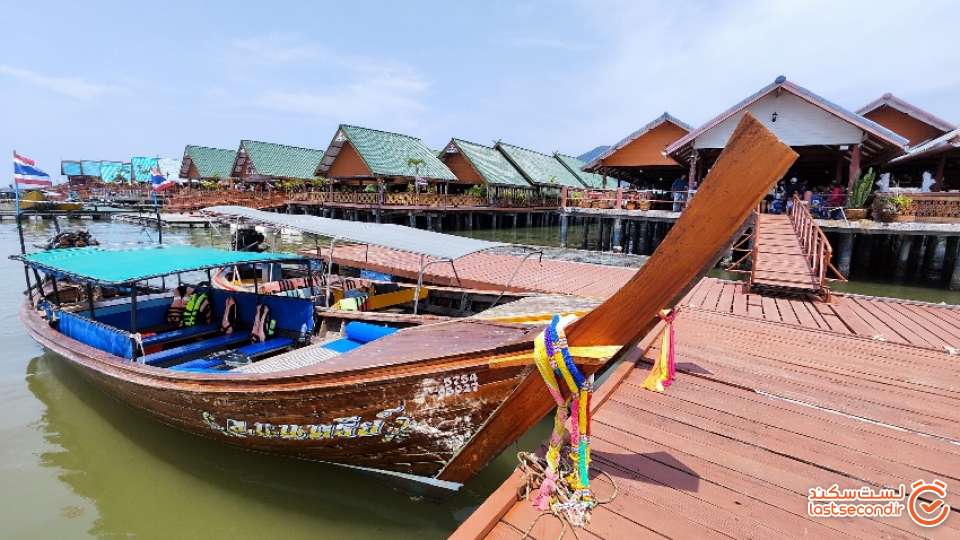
(854, 166)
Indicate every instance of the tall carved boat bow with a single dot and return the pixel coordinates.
(431, 404)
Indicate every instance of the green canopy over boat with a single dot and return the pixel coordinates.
(120, 266)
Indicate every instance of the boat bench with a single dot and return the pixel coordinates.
(212, 365)
(179, 334)
(198, 348)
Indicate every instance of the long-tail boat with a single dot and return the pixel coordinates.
(431, 404)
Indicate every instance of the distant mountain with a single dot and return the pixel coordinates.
(589, 156)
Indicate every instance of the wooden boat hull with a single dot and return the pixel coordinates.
(408, 426)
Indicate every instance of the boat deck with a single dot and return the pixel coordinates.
(760, 412)
(935, 326)
(491, 271)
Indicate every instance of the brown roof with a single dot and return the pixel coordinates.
(909, 109)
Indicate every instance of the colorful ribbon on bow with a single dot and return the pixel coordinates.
(662, 374)
(555, 363)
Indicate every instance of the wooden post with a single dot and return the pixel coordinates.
(617, 234)
(586, 234)
(564, 191)
(854, 167)
(903, 256)
(692, 175)
(939, 252)
(938, 177)
(845, 253)
(642, 237)
(564, 229)
(619, 202)
(955, 275)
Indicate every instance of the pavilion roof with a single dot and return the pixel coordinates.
(490, 164)
(574, 165)
(879, 137)
(386, 154)
(210, 162)
(909, 109)
(537, 168)
(279, 160)
(650, 126)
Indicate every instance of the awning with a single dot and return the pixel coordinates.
(398, 237)
(116, 267)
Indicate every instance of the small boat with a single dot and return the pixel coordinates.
(430, 405)
(38, 201)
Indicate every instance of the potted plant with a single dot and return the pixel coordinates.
(904, 205)
(857, 198)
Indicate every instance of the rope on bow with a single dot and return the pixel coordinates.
(565, 488)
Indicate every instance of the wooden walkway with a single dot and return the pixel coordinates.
(935, 326)
(760, 412)
(491, 271)
(780, 262)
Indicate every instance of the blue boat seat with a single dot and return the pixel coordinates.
(198, 348)
(358, 333)
(179, 334)
(271, 345)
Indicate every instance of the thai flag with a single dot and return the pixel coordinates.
(159, 181)
(25, 172)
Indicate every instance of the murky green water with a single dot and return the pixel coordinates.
(75, 463)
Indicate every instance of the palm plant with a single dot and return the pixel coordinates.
(857, 198)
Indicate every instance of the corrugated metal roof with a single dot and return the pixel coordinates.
(210, 162)
(282, 161)
(129, 265)
(398, 237)
(492, 166)
(589, 179)
(539, 168)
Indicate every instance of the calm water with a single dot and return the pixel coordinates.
(75, 463)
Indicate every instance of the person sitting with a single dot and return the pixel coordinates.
(175, 312)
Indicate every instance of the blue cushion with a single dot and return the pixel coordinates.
(257, 349)
(362, 332)
(342, 345)
(196, 349)
(180, 333)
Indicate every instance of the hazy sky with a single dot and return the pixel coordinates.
(107, 80)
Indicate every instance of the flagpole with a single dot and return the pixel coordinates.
(23, 245)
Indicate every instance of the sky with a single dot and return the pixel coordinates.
(109, 80)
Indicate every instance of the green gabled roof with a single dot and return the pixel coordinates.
(491, 165)
(389, 154)
(270, 159)
(210, 162)
(539, 168)
(589, 179)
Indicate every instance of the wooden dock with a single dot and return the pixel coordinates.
(780, 260)
(760, 412)
(490, 271)
(934, 326)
